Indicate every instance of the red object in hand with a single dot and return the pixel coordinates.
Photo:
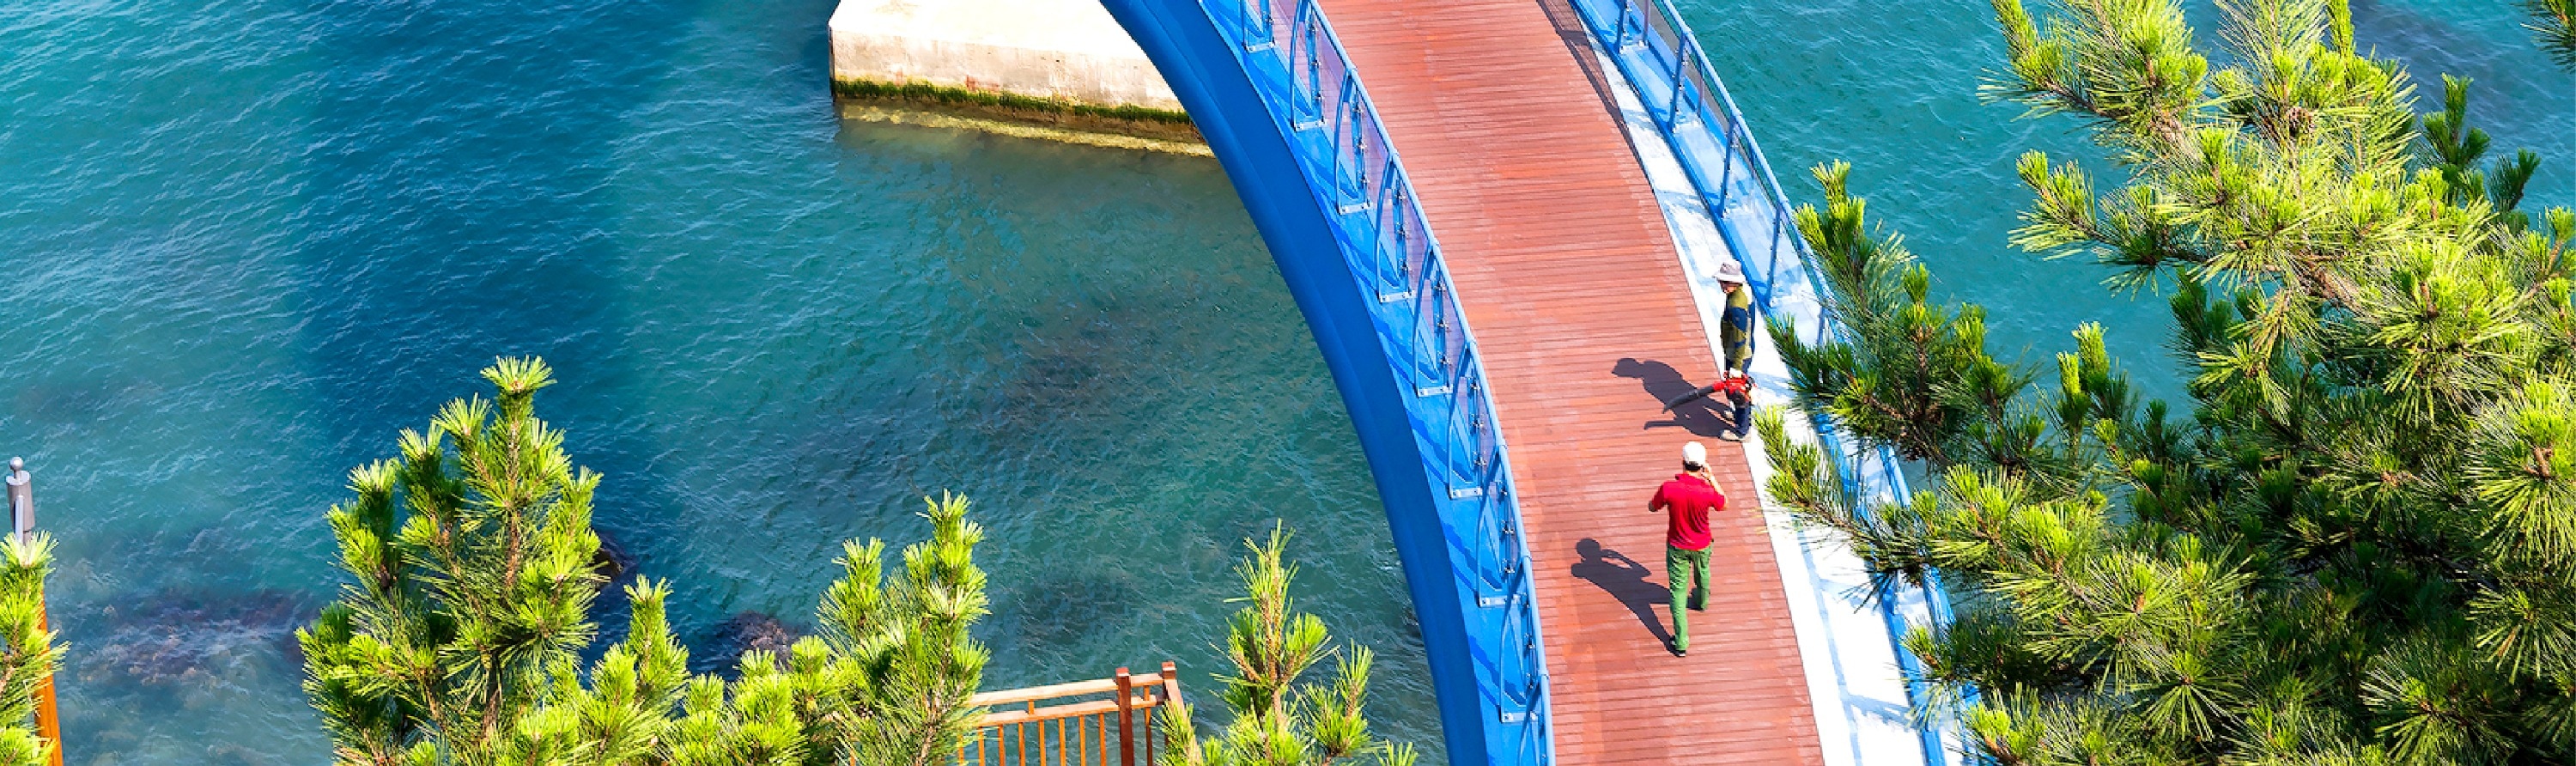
(1732, 384)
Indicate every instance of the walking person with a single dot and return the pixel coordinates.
(1735, 333)
(1687, 499)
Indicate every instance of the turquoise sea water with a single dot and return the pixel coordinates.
(1891, 86)
(253, 240)
(248, 240)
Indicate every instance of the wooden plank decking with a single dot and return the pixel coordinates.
(1569, 280)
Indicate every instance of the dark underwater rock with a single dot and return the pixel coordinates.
(612, 559)
(1058, 611)
(741, 634)
(182, 636)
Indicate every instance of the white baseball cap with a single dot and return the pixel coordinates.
(1695, 453)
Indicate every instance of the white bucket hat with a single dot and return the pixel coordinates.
(1728, 271)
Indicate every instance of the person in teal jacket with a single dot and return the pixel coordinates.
(1735, 335)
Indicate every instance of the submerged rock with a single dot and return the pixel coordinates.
(741, 634)
(613, 561)
(1059, 611)
(229, 754)
(176, 636)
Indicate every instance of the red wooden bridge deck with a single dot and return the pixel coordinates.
(1570, 282)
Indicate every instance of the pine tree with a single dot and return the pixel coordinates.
(909, 640)
(473, 569)
(473, 564)
(886, 684)
(1280, 719)
(30, 655)
(2359, 545)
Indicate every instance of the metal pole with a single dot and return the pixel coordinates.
(22, 499)
(1681, 84)
(22, 516)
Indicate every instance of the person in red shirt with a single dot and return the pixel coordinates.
(1688, 499)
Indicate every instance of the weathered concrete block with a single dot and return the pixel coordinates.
(1051, 50)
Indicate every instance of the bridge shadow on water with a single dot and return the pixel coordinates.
(1664, 384)
(1624, 579)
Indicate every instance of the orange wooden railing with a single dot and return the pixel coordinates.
(1119, 730)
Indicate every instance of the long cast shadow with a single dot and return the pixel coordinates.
(1664, 384)
(1624, 579)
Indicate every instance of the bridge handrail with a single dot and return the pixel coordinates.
(1299, 67)
(1084, 729)
(1690, 105)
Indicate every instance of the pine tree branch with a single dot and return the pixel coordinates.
(2554, 21)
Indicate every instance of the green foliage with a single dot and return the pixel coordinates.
(2456, 149)
(2555, 22)
(2359, 545)
(473, 570)
(909, 640)
(29, 657)
(1899, 371)
(472, 557)
(1279, 718)
(885, 684)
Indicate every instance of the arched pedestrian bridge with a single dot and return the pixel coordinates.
(1501, 218)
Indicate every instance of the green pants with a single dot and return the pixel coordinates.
(1688, 572)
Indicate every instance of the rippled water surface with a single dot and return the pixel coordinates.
(1891, 85)
(253, 240)
(250, 240)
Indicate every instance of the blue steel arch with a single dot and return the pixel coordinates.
(1267, 85)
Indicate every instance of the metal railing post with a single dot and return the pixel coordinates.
(1269, 26)
(22, 499)
(1626, 8)
(1681, 82)
(1726, 175)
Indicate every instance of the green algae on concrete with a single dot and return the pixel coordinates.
(1057, 118)
(1061, 67)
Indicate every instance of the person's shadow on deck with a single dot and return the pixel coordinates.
(1665, 384)
(1624, 579)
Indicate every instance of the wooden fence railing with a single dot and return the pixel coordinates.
(1116, 731)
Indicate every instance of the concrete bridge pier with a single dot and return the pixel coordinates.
(1055, 69)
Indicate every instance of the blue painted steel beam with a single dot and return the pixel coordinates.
(1205, 70)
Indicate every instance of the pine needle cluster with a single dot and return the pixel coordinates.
(2358, 545)
(473, 579)
(907, 641)
(473, 570)
(2555, 22)
(28, 654)
(1279, 717)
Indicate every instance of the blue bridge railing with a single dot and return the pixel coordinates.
(1298, 66)
(1660, 58)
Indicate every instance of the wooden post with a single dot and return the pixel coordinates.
(1126, 727)
(1171, 679)
(22, 516)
